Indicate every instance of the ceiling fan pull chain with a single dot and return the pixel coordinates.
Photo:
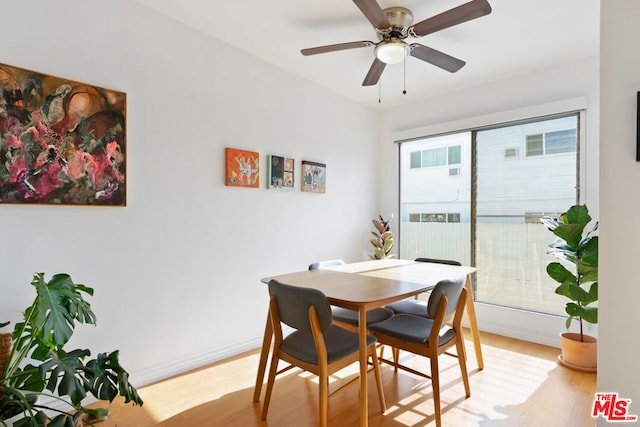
(404, 81)
(379, 92)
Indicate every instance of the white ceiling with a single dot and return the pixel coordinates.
(518, 36)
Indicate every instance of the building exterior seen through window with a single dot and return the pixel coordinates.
(521, 172)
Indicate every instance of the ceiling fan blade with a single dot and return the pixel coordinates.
(373, 12)
(437, 58)
(335, 47)
(374, 73)
(463, 13)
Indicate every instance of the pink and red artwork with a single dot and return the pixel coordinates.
(61, 141)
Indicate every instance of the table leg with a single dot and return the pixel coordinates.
(473, 323)
(362, 332)
(264, 355)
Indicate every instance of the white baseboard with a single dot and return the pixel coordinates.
(174, 367)
(524, 325)
(529, 326)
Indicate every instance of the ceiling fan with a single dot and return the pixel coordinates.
(393, 26)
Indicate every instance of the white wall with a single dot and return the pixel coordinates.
(562, 88)
(618, 367)
(176, 273)
(172, 269)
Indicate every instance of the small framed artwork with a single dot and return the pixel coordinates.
(314, 177)
(280, 172)
(242, 168)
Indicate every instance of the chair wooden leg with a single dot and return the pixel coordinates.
(435, 384)
(272, 376)
(323, 379)
(376, 371)
(463, 365)
(396, 358)
(464, 348)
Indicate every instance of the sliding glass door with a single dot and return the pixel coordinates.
(477, 197)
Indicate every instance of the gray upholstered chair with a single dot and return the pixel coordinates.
(416, 306)
(344, 317)
(429, 336)
(317, 345)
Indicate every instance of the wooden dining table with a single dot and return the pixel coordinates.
(363, 286)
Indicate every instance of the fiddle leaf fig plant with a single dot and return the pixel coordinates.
(579, 248)
(38, 364)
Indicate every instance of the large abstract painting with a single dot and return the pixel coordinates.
(62, 142)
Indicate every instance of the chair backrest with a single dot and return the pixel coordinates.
(439, 261)
(324, 264)
(449, 288)
(294, 302)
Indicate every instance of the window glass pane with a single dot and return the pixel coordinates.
(416, 160)
(453, 217)
(414, 217)
(454, 155)
(534, 145)
(435, 193)
(511, 243)
(562, 141)
(510, 194)
(434, 157)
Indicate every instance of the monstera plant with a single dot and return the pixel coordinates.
(40, 376)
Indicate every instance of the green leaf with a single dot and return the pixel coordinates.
(589, 251)
(40, 419)
(593, 294)
(64, 374)
(567, 324)
(576, 293)
(65, 420)
(572, 224)
(379, 253)
(388, 245)
(577, 214)
(570, 233)
(559, 273)
(29, 378)
(574, 309)
(108, 379)
(590, 314)
(564, 289)
(58, 305)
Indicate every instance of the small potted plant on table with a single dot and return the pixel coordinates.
(578, 249)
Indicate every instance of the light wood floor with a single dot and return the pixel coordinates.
(521, 385)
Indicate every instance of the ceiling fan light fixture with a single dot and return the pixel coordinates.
(392, 52)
